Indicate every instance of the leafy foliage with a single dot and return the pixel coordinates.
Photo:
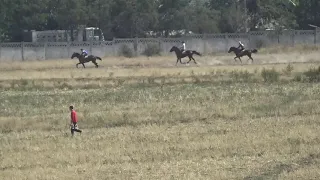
(131, 18)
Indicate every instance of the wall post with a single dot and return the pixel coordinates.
(293, 37)
(68, 48)
(114, 47)
(0, 49)
(315, 36)
(135, 45)
(204, 37)
(45, 49)
(226, 41)
(22, 51)
(91, 44)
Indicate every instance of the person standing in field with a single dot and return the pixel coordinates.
(74, 121)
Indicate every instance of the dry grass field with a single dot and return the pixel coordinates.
(144, 118)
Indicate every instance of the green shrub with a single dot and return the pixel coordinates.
(313, 74)
(288, 70)
(299, 78)
(270, 75)
(126, 51)
(152, 50)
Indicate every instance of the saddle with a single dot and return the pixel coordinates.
(241, 51)
(183, 51)
(85, 56)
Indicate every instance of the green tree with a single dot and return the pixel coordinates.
(271, 13)
(69, 14)
(172, 15)
(199, 18)
(98, 12)
(132, 18)
(231, 15)
(16, 16)
(308, 12)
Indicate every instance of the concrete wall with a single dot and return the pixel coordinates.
(205, 44)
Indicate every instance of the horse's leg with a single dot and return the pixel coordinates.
(95, 63)
(240, 59)
(83, 65)
(250, 57)
(177, 61)
(194, 60)
(189, 59)
(235, 58)
(181, 61)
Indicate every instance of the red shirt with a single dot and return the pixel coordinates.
(74, 116)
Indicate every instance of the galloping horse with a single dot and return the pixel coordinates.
(239, 54)
(186, 53)
(83, 60)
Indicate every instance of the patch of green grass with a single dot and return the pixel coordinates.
(270, 75)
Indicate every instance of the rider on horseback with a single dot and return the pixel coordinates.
(183, 47)
(241, 46)
(84, 53)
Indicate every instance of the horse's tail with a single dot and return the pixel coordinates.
(98, 58)
(254, 51)
(197, 53)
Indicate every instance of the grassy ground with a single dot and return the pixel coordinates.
(199, 122)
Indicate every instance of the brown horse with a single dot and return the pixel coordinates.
(240, 53)
(83, 60)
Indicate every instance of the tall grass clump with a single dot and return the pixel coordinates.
(270, 75)
(244, 76)
(313, 74)
(288, 70)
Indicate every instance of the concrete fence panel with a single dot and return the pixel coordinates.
(204, 43)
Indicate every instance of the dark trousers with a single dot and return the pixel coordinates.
(74, 127)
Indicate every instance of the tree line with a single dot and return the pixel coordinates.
(131, 18)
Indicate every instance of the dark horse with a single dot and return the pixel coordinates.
(186, 53)
(83, 60)
(239, 54)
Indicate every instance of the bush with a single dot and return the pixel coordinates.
(288, 69)
(299, 78)
(270, 75)
(313, 74)
(126, 51)
(152, 50)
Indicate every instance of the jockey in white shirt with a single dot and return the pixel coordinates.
(84, 53)
(241, 46)
(183, 47)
